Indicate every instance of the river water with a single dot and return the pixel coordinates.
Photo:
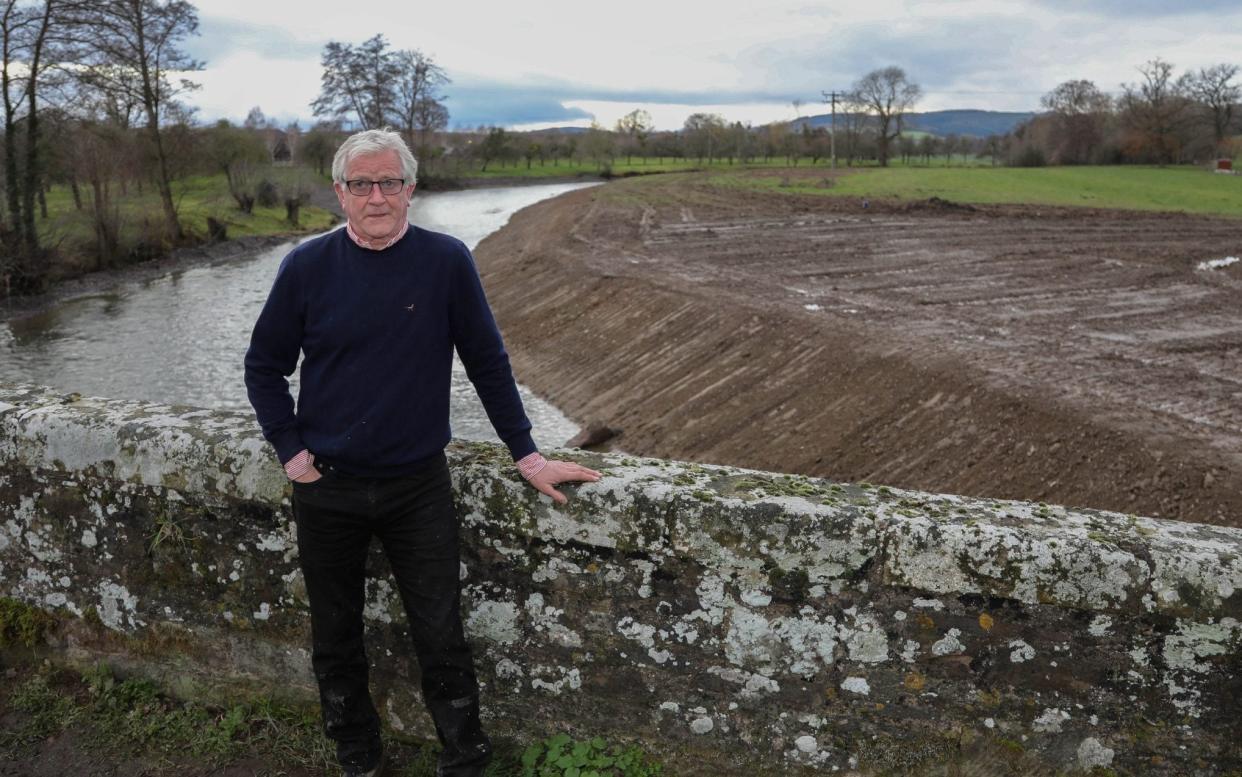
(180, 338)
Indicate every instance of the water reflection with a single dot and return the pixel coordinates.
(180, 338)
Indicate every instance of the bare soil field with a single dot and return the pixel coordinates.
(1070, 356)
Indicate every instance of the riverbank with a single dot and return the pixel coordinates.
(90, 283)
(490, 182)
(179, 260)
(1060, 355)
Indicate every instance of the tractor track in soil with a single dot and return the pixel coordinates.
(1075, 356)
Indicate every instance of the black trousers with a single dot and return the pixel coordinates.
(416, 523)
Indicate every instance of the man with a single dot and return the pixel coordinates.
(376, 309)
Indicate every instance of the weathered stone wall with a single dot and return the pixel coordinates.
(735, 622)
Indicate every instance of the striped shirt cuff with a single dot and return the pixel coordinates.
(532, 465)
(298, 466)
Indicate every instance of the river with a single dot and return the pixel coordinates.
(180, 338)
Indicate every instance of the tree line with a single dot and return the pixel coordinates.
(94, 97)
(375, 86)
(76, 76)
(1161, 118)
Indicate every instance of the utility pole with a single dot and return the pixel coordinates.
(832, 97)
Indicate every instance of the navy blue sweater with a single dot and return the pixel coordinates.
(377, 330)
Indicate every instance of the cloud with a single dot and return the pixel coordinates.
(1132, 8)
(941, 56)
(505, 106)
(220, 38)
(473, 101)
(964, 54)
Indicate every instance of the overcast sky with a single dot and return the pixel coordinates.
(566, 62)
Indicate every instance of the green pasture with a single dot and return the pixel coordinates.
(1184, 188)
(620, 167)
(142, 215)
(638, 166)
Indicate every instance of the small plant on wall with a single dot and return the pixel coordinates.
(562, 756)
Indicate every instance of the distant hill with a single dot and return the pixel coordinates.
(964, 122)
(562, 130)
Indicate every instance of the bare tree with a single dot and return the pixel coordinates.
(293, 187)
(136, 49)
(1080, 111)
(636, 127)
(27, 32)
(600, 145)
(240, 154)
(256, 120)
(494, 146)
(853, 122)
(430, 117)
(101, 150)
(703, 133)
(417, 101)
(815, 142)
(318, 146)
(95, 155)
(791, 145)
(888, 94)
(772, 139)
(1215, 89)
(994, 145)
(358, 80)
(1154, 111)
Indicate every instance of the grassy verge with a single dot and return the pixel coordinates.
(95, 718)
(1184, 188)
(101, 718)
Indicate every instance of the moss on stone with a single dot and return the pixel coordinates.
(91, 616)
(791, 585)
(913, 755)
(1011, 745)
(22, 624)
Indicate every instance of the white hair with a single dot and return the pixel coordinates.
(374, 141)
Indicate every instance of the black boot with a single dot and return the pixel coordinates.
(466, 748)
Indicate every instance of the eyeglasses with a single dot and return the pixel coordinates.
(362, 188)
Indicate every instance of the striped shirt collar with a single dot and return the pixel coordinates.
(370, 246)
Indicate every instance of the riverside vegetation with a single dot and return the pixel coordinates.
(206, 203)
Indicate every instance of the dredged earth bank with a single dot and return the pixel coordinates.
(1069, 356)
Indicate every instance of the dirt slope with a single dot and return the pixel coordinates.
(1067, 356)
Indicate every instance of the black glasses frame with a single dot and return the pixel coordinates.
(360, 187)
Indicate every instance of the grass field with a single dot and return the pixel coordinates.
(142, 217)
(1185, 188)
(621, 167)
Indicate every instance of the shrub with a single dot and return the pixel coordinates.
(1031, 156)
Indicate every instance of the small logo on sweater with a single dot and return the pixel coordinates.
(410, 308)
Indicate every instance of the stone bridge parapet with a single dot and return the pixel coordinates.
(732, 621)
